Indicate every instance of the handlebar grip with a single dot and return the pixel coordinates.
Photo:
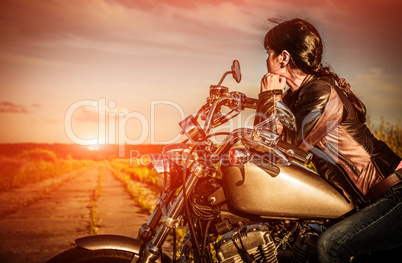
(294, 152)
(250, 103)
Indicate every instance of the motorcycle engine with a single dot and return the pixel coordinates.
(247, 244)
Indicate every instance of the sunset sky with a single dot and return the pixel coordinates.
(107, 71)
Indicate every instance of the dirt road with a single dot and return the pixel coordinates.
(42, 220)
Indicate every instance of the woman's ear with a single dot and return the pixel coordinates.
(285, 56)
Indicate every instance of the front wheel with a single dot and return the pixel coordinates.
(82, 255)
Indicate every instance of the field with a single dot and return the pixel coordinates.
(22, 164)
(390, 133)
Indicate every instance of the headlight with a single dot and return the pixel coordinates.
(161, 165)
(170, 164)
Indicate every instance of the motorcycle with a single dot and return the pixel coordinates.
(250, 198)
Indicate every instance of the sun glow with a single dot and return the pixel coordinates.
(93, 147)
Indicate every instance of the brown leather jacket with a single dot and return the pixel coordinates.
(346, 153)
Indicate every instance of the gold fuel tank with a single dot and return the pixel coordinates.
(282, 192)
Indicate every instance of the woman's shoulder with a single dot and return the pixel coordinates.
(313, 90)
(318, 85)
(317, 89)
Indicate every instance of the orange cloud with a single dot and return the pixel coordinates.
(10, 107)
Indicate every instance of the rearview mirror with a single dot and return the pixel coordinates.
(236, 73)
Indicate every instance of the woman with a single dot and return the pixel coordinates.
(330, 122)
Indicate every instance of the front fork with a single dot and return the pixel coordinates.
(153, 249)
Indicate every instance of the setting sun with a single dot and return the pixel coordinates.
(93, 148)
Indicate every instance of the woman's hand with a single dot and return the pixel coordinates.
(272, 82)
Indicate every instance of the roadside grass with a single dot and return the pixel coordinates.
(390, 133)
(94, 213)
(141, 170)
(138, 185)
(32, 166)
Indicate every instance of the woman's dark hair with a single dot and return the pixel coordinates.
(304, 44)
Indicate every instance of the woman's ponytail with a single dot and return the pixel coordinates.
(357, 103)
(359, 106)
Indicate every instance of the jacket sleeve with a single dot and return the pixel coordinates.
(266, 105)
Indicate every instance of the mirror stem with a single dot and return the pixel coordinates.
(223, 77)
